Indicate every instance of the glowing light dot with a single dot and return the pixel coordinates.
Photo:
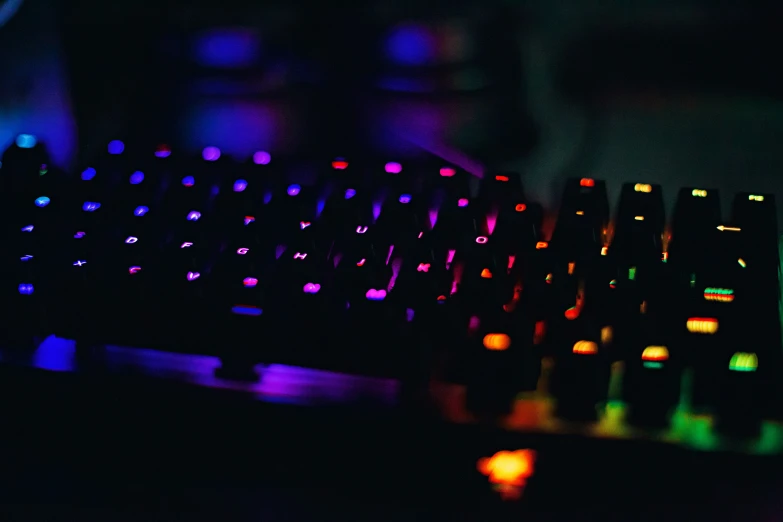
(42, 201)
(463, 202)
(88, 174)
(339, 164)
(163, 151)
(26, 289)
(210, 154)
(250, 282)
(90, 206)
(405, 199)
(240, 185)
(194, 215)
(26, 141)
(311, 288)
(293, 190)
(136, 178)
(447, 172)
(116, 147)
(349, 193)
(262, 158)
(393, 168)
(140, 211)
(188, 181)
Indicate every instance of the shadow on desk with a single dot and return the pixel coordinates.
(123, 446)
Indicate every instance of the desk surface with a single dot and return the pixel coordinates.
(322, 447)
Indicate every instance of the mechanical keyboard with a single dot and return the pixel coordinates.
(417, 271)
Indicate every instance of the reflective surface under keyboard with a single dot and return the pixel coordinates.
(413, 271)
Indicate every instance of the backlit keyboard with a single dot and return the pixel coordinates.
(370, 266)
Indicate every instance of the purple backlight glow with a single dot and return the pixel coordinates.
(240, 185)
(293, 190)
(349, 193)
(211, 154)
(375, 295)
(447, 172)
(311, 288)
(405, 199)
(250, 282)
(163, 151)
(262, 158)
(393, 168)
(463, 202)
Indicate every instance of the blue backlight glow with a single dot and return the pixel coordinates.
(26, 141)
(411, 44)
(116, 147)
(246, 310)
(227, 48)
(136, 178)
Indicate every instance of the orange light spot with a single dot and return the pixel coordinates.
(572, 313)
(702, 325)
(539, 332)
(580, 212)
(571, 267)
(655, 354)
(508, 468)
(501, 178)
(604, 251)
(607, 334)
(585, 348)
(587, 182)
(521, 207)
(497, 342)
(542, 244)
(339, 164)
(486, 274)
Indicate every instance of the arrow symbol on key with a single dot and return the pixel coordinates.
(729, 229)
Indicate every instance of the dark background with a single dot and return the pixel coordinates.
(679, 93)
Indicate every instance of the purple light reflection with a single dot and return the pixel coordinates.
(280, 382)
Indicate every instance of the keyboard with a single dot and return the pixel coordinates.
(416, 271)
